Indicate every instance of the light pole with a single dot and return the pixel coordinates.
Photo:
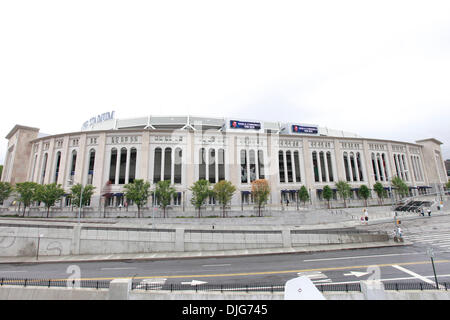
(430, 252)
(81, 201)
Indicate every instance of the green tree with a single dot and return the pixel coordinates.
(138, 191)
(25, 193)
(223, 191)
(49, 194)
(327, 194)
(164, 192)
(364, 192)
(303, 194)
(201, 190)
(1, 170)
(448, 185)
(380, 191)
(401, 188)
(260, 193)
(344, 190)
(5, 191)
(81, 199)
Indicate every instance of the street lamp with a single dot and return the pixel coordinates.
(81, 200)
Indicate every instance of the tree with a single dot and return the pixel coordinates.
(138, 191)
(1, 170)
(303, 194)
(400, 186)
(201, 190)
(49, 194)
(364, 192)
(260, 193)
(344, 190)
(164, 192)
(327, 194)
(448, 185)
(5, 191)
(25, 193)
(80, 199)
(223, 191)
(381, 192)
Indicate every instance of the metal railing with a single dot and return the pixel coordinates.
(54, 283)
(238, 288)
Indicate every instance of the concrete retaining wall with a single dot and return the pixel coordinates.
(22, 239)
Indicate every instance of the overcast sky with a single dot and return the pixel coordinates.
(380, 69)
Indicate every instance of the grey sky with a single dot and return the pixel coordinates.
(380, 69)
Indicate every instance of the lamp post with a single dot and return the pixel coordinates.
(81, 200)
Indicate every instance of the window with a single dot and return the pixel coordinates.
(202, 165)
(315, 166)
(44, 167)
(289, 166)
(112, 166)
(168, 164)
(261, 164)
(132, 168)
(281, 166)
(221, 164)
(73, 166)
(91, 166)
(177, 165)
(244, 178)
(330, 167)
(122, 165)
(252, 162)
(157, 165)
(58, 163)
(212, 166)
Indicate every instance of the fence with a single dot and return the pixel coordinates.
(238, 288)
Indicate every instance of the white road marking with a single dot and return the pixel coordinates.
(394, 279)
(416, 275)
(131, 268)
(216, 265)
(361, 257)
(12, 271)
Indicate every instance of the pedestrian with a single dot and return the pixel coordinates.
(366, 215)
(422, 212)
(429, 212)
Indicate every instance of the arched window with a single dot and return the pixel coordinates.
(261, 164)
(73, 167)
(359, 164)
(132, 168)
(352, 167)
(330, 167)
(252, 164)
(168, 164)
(112, 166)
(90, 175)
(315, 167)
(244, 176)
(177, 165)
(58, 163)
(322, 166)
(122, 165)
(157, 165)
(297, 167)
(289, 166)
(380, 169)
(44, 167)
(346, 166)
(212, 166)
(221, 164)
(374, 167)
(281, 166)
(202, 164)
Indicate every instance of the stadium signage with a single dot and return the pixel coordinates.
(100, 118)
(304, 129)
(234, 124)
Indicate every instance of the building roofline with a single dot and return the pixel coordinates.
(18, 127)
(430, 139)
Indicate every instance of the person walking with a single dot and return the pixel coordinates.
(366, 215)
(429, 212)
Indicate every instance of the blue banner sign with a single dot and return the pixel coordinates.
(234, 124)
(100, 118)
(304, 129)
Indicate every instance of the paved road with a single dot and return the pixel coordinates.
(397, 264)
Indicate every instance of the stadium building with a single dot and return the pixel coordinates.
(184, 149)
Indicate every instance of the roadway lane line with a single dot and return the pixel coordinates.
(267, 272)
(416, 275)
(131, 268)
(362, 257)
(216, 265)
